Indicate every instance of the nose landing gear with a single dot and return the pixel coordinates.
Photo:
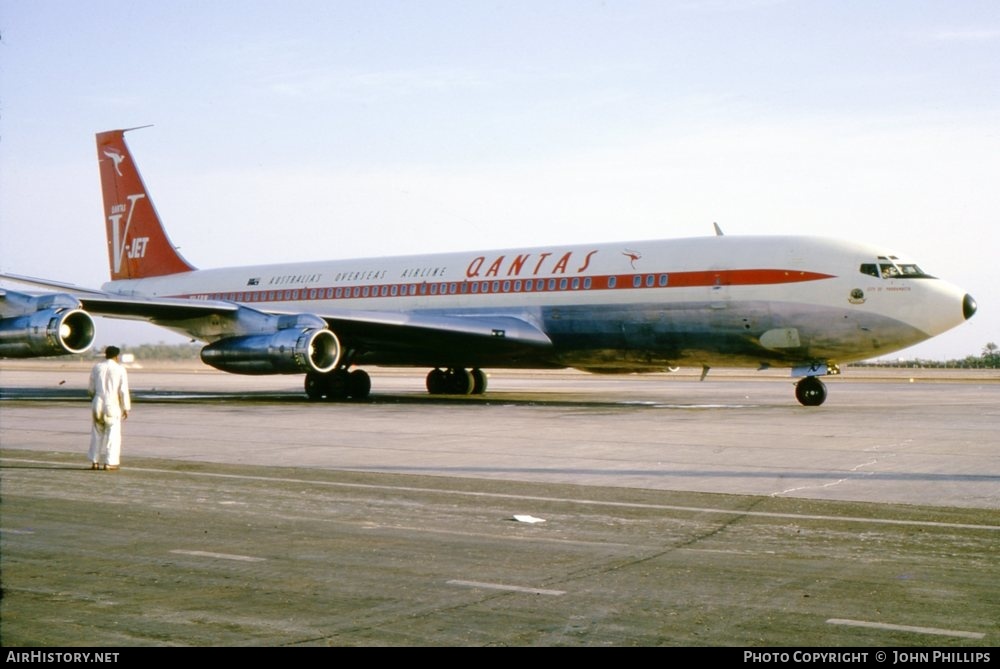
(810, 391)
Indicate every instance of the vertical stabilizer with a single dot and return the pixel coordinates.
(138, 245)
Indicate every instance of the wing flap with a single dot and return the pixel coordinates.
(419, 339)
(499, 328)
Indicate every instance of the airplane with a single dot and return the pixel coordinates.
(810, 304)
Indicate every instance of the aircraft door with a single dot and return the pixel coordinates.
(719, 291)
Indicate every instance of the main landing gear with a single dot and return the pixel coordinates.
(810, 391)
(456, 381)
(339, 384)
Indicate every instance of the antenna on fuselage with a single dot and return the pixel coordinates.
(718, 230)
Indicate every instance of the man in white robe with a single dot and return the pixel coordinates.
(110, 404)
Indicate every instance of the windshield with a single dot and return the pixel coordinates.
(889, 267)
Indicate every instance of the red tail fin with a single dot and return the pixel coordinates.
(138, 246)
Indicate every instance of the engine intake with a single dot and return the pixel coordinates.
(287, 351)
(56, 331)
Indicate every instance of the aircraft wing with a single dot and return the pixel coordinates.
(161, 311)
(49, 285)
(157, 310)
(371, 331)
(386, 336)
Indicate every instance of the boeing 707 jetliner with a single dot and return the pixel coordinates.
(805, 303)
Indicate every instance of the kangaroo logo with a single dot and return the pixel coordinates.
(119, 234)
(116, 158)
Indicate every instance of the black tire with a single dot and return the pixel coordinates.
(460, 381)
(479, 382)
(337, 385)
(315, 386)
(810, 392)
(359, 384)
(437, 382)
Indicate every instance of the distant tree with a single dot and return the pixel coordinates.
(991, 355)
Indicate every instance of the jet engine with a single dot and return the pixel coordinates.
(288, 351)
(47, 325)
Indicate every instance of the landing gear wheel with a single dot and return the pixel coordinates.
(479, 381)
(460, 382)
(359, 384)
(810, 392)
(453, 381)
(338, 385)
(437, 381)
(315, 386)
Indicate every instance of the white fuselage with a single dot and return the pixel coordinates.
(631, 306)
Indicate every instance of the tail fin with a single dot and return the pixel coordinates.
(138, 246)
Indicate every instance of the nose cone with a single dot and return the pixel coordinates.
(968, 306)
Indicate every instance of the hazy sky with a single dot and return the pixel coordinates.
(298, 130)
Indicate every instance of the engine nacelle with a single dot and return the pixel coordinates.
(287, 351)
(54, 331)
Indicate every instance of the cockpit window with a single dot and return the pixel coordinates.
(871, 269)
(888, 267)
(912, 272)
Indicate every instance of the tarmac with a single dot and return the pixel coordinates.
(560, 509)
